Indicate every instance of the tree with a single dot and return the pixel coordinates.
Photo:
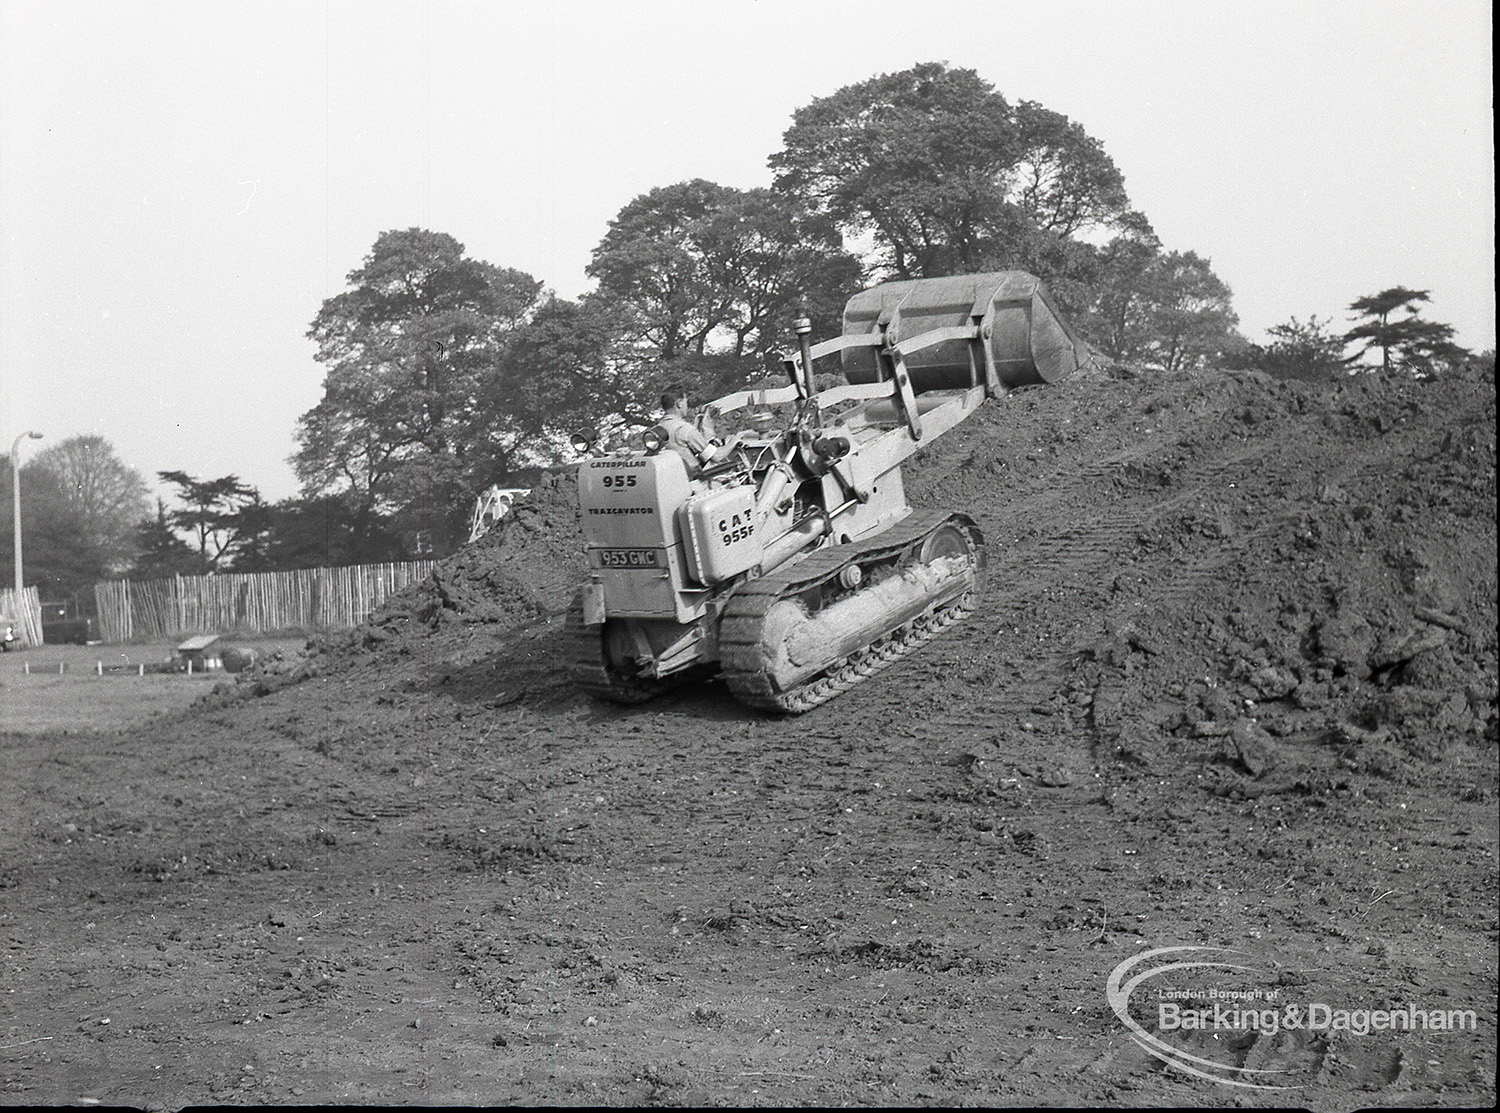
(775, 261)
(1115, 319)
(106, 496)
(316, 532)
(1377, 331)
(1427, 347)
(1418, 345)
(698, 284)
(1165, 310)
(1188, 312)
(697, 268)
(1062, 179)
(55, 561)
(562, 371)
(650, 261)
(160, 552)
(407, 348)
(78, 506)
(222, 515)
(1301, 350)
(915, 159)
(945, 175)
(942, 175)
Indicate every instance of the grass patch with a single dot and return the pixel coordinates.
(65, 693)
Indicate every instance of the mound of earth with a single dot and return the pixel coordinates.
(1231, 684)
(526, 567)
(1316, 559)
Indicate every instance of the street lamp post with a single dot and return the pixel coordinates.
(15, 491)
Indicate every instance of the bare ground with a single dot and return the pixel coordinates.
(1232, 684)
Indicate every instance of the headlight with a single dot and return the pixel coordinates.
(581, 443)
(653, 440)
(831, 448)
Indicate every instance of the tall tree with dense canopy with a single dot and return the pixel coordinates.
(106, 496)
(915, 160)
(161, 551)
(944, 175)
(697, 284)
(1376, 330)
(1120, 300)
(698, 268)
(940, 174)
(651, 262)
(79, 505)
(1187, 318)
(557, 374)
(1062, 179)
(1166, 310)
(407, 348)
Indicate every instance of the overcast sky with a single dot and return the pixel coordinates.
(183, 183)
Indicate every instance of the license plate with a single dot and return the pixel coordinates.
(629, 558)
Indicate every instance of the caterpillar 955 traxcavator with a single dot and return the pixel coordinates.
(795, 567)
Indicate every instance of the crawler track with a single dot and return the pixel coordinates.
(743, 651)
(583, 647)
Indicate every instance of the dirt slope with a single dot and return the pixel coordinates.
(1232, 684)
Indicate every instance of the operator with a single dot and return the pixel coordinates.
(676, 425)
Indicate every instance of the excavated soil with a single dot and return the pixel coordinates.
(1231, 684)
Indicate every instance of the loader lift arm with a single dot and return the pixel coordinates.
(801, 569)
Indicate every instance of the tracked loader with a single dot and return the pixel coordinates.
(794, 566)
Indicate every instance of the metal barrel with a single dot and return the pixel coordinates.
(1028, 339)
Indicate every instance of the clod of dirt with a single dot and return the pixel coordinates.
(1253, 747)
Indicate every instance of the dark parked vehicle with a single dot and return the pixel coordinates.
(79, 631)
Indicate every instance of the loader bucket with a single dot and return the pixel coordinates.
(1029, 342)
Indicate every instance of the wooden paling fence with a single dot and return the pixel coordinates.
(25, 613)
(249, 602)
